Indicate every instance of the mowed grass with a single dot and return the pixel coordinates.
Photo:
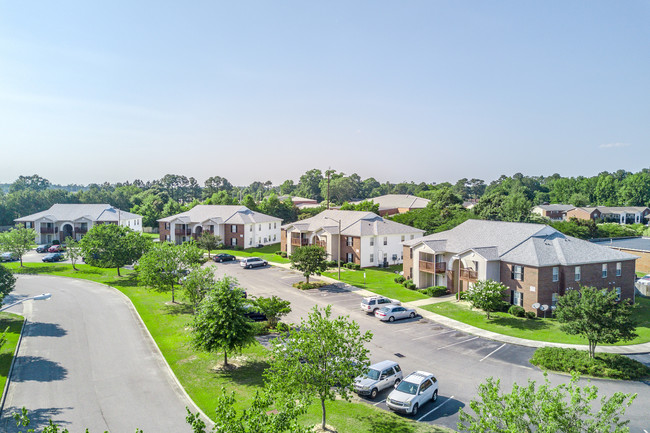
(14, 323)
(169, 324)
(266, 252)
(537, 329)
(378, 280)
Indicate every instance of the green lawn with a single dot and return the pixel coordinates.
(378, 280)
(538, 329)
(266, 252)
(15, 323)
(151, 236)
(168, 325)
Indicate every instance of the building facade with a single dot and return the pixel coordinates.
(621, 215)
(554, 212)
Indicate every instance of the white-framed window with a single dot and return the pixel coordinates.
(401, 256)
(618, 293)
(233, 229)
(517, 273)
(275, 225)
(372, 258)
(412, 236)
(517, 298)
(385, 240)
(348, 241)
(604, 270)
(250, 241)
(269, 226)
(577, 273)
(233, 241)
(349, 258)
(619, 268)
(250, 229)
(556, 274)
(372, 242)
(403, 238)
(274, 236)
(385, 257)
(554, 299)
(259, 227)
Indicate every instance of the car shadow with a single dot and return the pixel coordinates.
(402, 321)
(37, 369)
(42, 329)
(444, 407)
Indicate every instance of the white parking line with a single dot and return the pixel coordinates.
(379, 402)
(460, 342)
(405, 329)
(433, 335)
(490, 354)
(434, 409)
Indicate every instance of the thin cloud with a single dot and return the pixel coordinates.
(611, 145)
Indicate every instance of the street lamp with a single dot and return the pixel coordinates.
(40, 297)
(338, 249)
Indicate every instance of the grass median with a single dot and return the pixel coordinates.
(13, 324)
(169, 326)
(534, 329)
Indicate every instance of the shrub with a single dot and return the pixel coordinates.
(261, 328)
(610, 365)
(409, 285)
(332, 264)
(279, 252)
(517, 311)
(353, 266)
(531, 315)
(400, 279)
(312, 285)
(463, 296)
(437, 291)
(282, 327)
(283, 254)
(504, 307)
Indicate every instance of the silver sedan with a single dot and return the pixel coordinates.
(394, 312)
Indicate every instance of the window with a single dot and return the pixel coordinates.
(372, 258)
(233, 241)
(577, 273)
(250, 241)
(259, 227)
(618, 269)
(349, 258)
(517, 298)
(250, 229)
(274, 237)
(401, 255)
(385, 257)
(275, 225)
(269, 226)
(556, 274)
(517, 273)
(403, 238)
(372, 242)
(348, 241)
(385, 240)
(553, 299)
(475, 265)
(604, 270)
(618, 293)
(233, 229)
(411, 252)
(412, 236)
(166, 226)
(426, 385)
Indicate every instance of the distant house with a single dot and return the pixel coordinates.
(555, 212)
(74, 220)
(365, 238)
(237, 226)
(534, 261)
(469, 204)
(298, 200)
(392, 204)
(621, 214)
(638, 246)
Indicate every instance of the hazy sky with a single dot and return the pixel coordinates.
(403, 90)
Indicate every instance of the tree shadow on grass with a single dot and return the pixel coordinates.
(384, 424)
(33, 270)
(130, 280)
(523, 324)
(178, 309)
(88, 271)
(251, 373)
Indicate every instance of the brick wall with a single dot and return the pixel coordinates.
(407, 265)
(229, 235)
(643, 263)
(345, 249)
(283, 240)
(163, 231)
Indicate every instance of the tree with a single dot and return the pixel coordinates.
(220, 323)
(72, 251)
(208, 241)
(273, 308)
(7, 282)
(33, 182)
(567, 408)
(309, 260)
(486, 295)
(112, 246)
(321, 358)
(597, 315)
(18, 240)
(197, 284)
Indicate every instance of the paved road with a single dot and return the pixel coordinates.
(460, 361)
(86, 361)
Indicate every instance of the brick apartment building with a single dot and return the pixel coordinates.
(621, 215)
(536, 262)
(554, 212)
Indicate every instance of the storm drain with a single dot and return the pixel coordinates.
(399, 355)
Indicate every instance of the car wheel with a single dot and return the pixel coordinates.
(375, 310)
(397, 381)
(434, 397)
(373, 393)
(391, 319)
(412, 315)
(415, 410)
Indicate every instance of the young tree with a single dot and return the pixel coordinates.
(320, 359)
(197, 284)
(18, 240)
(596, 315)
(112, 246)
(208, 241)
(566, 408)
(162, 266)
(486, 295)
(309, 260)
(7, 282)
(72, 251)
(220, 323)
(273, 308)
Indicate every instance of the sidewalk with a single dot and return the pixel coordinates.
(469, 329)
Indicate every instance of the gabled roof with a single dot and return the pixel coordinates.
(353, 223)
(398, 201)
(556, 207)
(615, 209)
(74, 212)
(220, 214)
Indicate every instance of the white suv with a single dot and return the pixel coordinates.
(413, 392)
(374, 303)
(379, 376)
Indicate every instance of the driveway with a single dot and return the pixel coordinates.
(460, 361)
(86, 361)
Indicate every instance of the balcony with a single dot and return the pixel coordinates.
(297, 242)
(468, 274)
(81, 230)
(47, 230)
(322, 244)
(183, 232)
(432, 268)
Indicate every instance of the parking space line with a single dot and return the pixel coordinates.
(433, 335)
(434, 409)
(379, 402)
(491, 353)
(405, 329)
(460, 342)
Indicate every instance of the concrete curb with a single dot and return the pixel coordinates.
(11, 367)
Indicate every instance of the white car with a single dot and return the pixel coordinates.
(252, 262)
(413, 392)
(379, 376)
(374, 303)
(395, 312)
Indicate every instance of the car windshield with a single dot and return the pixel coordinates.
(385, 309)
(372, 374)
(407, 387)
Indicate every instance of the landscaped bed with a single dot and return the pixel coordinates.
(534, 329)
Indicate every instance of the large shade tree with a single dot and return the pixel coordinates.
(112, 246)
(310, 260)
(18, 240)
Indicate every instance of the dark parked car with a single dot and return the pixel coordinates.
(54, 257)
(43, 248)
(223, 257)
(255, 316)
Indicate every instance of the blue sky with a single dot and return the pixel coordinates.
(418, 90)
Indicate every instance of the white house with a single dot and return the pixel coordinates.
(359, 237)
(237, 226)
(74, 220)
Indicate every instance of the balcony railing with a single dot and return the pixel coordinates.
(183, 232)
(81, 230)
(297, 242)
(322, 244)
(432, 268)
(468, 274)
(47, 229)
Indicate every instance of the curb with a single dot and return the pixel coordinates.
(11, 367)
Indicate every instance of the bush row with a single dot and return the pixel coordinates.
(435, 291)
(281, 254)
